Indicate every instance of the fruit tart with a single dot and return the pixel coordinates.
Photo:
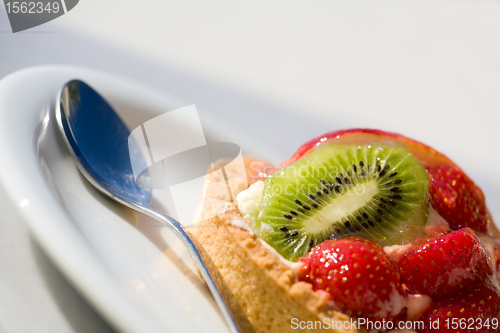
(359, 231)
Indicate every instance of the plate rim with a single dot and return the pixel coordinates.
(23, 180)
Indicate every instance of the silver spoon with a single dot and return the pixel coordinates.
(98, 141)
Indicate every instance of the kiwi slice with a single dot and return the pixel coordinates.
(371, 191)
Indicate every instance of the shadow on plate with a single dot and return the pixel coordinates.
(78, 313)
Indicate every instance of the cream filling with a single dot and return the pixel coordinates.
(242, 223)
(394, 252)
(248, 202)
(417, 304)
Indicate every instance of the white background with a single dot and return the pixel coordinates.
(279, 73)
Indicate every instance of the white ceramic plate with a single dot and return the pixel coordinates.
(136, 274)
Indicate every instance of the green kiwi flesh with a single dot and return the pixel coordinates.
(371, 191)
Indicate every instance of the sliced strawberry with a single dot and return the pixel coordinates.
(257, 169)
(456, 198)
(358, 276)
(445, 265)
(474, 310)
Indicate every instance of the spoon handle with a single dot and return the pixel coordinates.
(177, 228)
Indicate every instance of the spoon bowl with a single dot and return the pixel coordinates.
(97, 139)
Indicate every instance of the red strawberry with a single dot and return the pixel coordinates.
(456, 198)
(358, 276)
(474, 310)
(425, 154)
(445, 265)
(497, 260)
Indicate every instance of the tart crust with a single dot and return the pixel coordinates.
(261, 289)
